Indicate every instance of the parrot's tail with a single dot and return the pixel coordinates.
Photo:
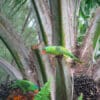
(78, 60)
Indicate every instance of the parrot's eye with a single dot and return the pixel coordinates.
(43, 52)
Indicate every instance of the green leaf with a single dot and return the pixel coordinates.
(44, 94)
(85, 13)
(80, 97)
(97, 35)
(96, 39)
(17, 4)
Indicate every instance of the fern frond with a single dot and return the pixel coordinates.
(80, 97)
(44, 94)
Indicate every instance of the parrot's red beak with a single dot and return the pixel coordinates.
(43, 52)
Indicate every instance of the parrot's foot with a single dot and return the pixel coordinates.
(59, 56)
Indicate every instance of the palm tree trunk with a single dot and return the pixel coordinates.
(57, 27)
(60, 31)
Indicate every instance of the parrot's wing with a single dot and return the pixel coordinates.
(44, 93)
(28, 85)
(20, 84)
(73, 57)
(24, 85)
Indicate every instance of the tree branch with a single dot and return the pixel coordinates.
(44, 21)
(17, 48)
(10, 70)
(26, 20)
(41, 8)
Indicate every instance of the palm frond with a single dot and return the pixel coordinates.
(85, 13)
(16, 5)
(96, 39)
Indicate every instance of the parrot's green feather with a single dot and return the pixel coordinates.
(59, 50)
(24, 85)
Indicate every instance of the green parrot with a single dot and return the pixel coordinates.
(59, 50)
(25, 85)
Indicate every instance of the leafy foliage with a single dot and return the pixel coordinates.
(80, 97)
(3, 75)
(97, 35)
(85, 13)
(44, 93)
(4, 53)
(11, 7)
(96, 40)
(17, 11)
(17, 4)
